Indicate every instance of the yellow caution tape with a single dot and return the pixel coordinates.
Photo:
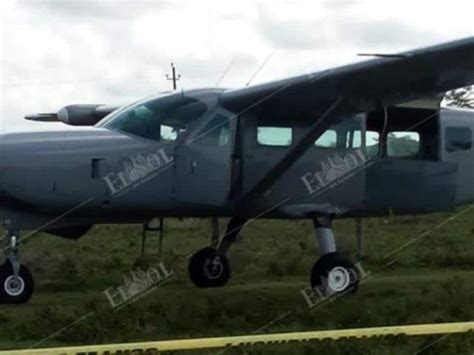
(154, 347)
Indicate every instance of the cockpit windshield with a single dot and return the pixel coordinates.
(162, 118)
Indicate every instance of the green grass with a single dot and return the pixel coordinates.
(429, 281)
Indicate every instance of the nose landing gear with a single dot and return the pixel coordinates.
(16, 282)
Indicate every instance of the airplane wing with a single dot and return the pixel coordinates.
(365, 86)
(323, 96)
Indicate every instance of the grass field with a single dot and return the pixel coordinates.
(429, 280)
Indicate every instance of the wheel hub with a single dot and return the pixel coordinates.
(14, 286)
(213, 268)
(339, 279)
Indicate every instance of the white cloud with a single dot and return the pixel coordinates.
(55, 52)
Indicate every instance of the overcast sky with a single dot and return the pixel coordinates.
(55, 53)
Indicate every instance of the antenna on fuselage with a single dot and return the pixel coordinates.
(260, 68)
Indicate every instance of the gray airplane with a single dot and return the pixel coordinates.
(353, 141)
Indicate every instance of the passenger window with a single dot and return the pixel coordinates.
(403, 144)
(275, 136)
(354, 140)
(372, 143)
(327, 140)
(458, 138)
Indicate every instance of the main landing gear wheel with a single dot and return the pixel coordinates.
(209, 268)
(334, 274)
(15, 289)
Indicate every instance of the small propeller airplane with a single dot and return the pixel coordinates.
(352, 141)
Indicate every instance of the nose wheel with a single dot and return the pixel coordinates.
(15, 288)
(209, 268)
(16, 282)
(333, 273)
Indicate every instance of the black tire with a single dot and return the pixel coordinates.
(208, 268)
(10, 289)
(333, 273)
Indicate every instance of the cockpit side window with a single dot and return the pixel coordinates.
(217, 132)
(160, 119)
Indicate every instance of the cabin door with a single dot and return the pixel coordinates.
(204, 162)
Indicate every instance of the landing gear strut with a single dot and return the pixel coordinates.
(210, 267)
(333, 273)
(16, 282)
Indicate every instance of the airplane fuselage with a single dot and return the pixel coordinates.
(360, 166)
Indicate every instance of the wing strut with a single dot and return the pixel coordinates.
(316, 130)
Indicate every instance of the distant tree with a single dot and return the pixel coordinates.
(462, 97)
